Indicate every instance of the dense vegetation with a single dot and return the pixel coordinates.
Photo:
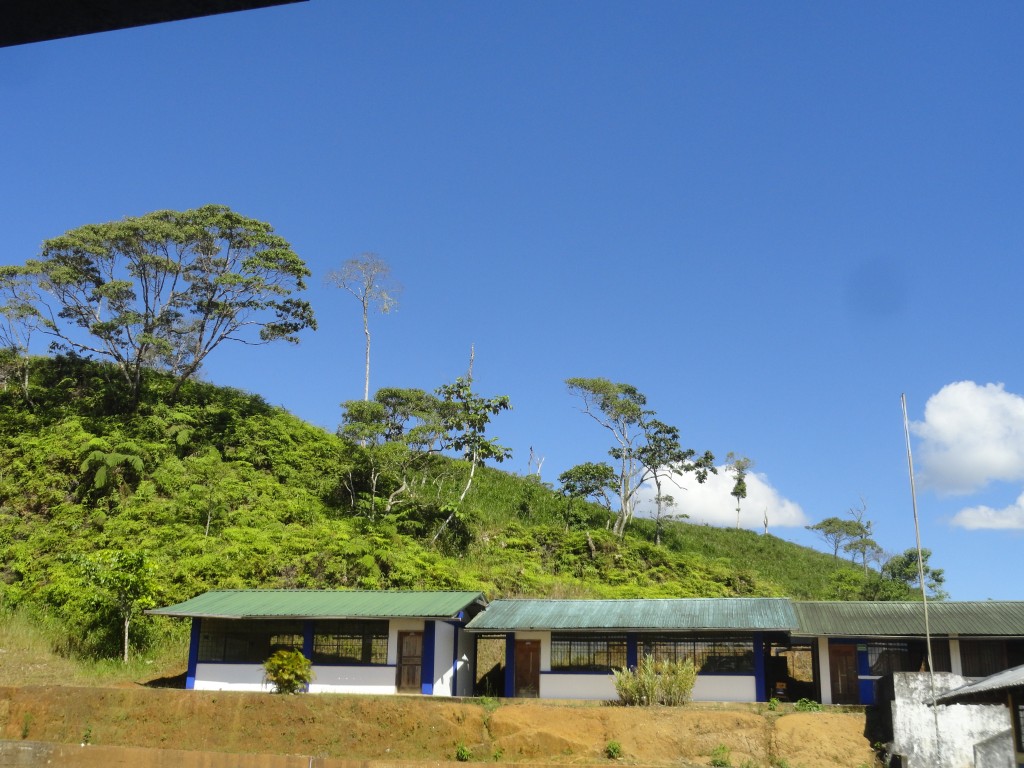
(112, 500)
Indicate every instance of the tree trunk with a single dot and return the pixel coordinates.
(127, 621)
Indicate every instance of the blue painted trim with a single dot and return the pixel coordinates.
(760, 683)
(632, 650)
(427, 662)
(193, 654)
(510, 664)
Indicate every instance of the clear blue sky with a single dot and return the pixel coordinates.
(772, 218)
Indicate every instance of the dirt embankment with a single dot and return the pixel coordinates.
(407, 728)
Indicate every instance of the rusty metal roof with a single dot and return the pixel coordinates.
(906, 619)
(323, 604)
(751, 613)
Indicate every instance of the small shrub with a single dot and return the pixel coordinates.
(613, 750)
(656, 682)
(720, 756)
(463, 753)
(773, 704)
(806, 705)
(288, 671)
(26, 724)
(497, 754)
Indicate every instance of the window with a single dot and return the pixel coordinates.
(711, 654)
(350, 642)
(251, 642)
(588, 653)
(981, 658)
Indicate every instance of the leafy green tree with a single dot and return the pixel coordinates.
(588, 481)
(835, 531)
(644, 446)
(368, 278)
(906, 568)
(165, 289)
(123, 580)
(464, 417)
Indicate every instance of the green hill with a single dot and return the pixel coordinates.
(219, 490)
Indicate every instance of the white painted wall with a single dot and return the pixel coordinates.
(326, 679)
(554, 685)
(341, 679)
(444, 647)
(230, 677)
(725, 688)
(824, 671)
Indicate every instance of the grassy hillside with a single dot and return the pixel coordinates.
(218, 489)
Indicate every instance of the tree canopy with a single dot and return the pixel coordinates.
(163, 290)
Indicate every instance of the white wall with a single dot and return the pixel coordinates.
(444, 647)
(341, 679)
(230, 677)
(326, 679)
(725, 688)
(554, 685)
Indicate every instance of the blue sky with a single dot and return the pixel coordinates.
(772, 218)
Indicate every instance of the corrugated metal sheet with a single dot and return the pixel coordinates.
(325, 604)
(682, 614)
(1000, 681)
(902, 619)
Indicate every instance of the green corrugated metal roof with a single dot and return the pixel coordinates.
(899, 619)
(682, 614)
(322, 604)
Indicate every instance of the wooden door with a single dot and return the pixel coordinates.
(842, 662)
(410, 661)
(527, 672)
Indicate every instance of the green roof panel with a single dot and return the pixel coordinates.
(753, 613)
(906, 619)
(323, 604)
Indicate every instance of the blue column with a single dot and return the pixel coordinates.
(510, 664)
(427, 665)
(760, 683)
(307, 639)
(632, 653)
(193, 654)
(865, 687)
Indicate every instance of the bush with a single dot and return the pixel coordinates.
(288, 671)
(613, 750)
(720, 756)
(462, 753)
(806, 705)
(656, 682)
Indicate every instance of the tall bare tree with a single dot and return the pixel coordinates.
(368, 278)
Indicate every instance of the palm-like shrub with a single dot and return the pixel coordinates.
(656, 682)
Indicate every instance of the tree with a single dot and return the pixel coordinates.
(165, 289)
(835, 531)
(588, 481)
(19, 320)
(368, 278)
(739, 467)
(860, 542)
(907, 568)
(645, 448)
(464, 419)
(124, 581)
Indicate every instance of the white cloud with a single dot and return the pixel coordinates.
(971, 435)
(710, 502)
(974, 518)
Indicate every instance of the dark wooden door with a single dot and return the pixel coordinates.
(527, 669)
(410, 661)
(842, 662)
